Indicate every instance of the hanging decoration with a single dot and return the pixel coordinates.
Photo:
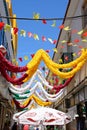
(5, 66)
(54, 67)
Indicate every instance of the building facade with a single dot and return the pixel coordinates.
(9, 41)
(73, 100)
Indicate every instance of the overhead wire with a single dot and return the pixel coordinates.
(48, 19)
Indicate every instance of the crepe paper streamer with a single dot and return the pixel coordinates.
(44, 38)
(9, 66)
(2, 25)
(35, 36)
(48, 97)
(80, 32)
(44, 21)
(42, 55)
(5, 66)
(67, 28)
(26, 102)
(22, 33)
(7, 27)
(27, 87)
(61, 86)
(61, 26)
(36, 16)
(54, 24)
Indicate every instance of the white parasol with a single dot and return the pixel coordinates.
(43, 116)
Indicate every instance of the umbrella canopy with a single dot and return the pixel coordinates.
(42, 115)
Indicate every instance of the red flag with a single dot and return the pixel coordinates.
(20, 59)
(61, 26)
(66, 58)
(44, 21)
(76, 40)
(30, 34)
(54, 41)
(85, 34)
(32, 55)
(47, 51)
(1, 25)
(43, 38)
(15, 30)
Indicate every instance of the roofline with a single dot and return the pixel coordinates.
(62, 23)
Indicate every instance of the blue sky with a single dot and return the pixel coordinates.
(46, 9)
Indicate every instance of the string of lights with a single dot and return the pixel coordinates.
(48, 19)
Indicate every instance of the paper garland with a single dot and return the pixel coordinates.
(54, 67)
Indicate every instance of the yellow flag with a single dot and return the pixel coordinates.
(7, 27)
(35, 36)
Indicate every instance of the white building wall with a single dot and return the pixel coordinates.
(3, 83)
(8, 34)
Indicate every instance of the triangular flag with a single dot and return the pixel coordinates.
(74, 54)
(84, 40)
(61, 26)
(30, 34)
(35, 36)
(54, 24)
(23, 33)
(32, 55)
(64, 41)
(47, 51)
(7, 27)
(67, 28)
(50, 40)
(15, 30)
(36, 16)
(54, 41)
(85, 34)
(25, 57)
(1, 25)
(44, 21)
(55, 50)
(76, 40)
(80, 32)
(60, 61)
(43, 38)
(66, 58)
(20, 59)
